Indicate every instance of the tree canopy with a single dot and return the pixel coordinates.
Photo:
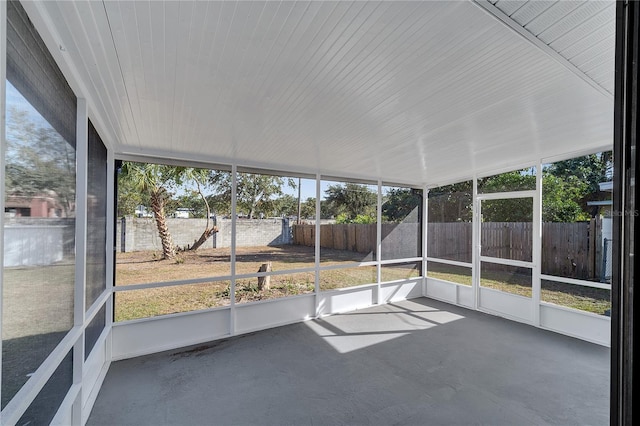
(567, 187)
(255, 193)
(402, 204)
(570, 184)
(350, 200)
(39, 162)
(451, 203)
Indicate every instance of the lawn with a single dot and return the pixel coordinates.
(588, 299)
(146, 267)
(37, 314)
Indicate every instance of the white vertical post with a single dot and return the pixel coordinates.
(317, 246)
(79, 308)
(379, 245)
(3, 49)
(475, 244)
(537, 246)
(110, 244)
(425, 236)
(82, 132)
(232, 290)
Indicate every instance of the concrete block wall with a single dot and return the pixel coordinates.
(262, 232)
(141, 233)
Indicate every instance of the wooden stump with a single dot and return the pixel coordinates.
(264, 283)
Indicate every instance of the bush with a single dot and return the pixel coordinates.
(363, 219)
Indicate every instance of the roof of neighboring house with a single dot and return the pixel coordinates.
(14, 201)
(24, 201)
(600, 203)
(606, 186)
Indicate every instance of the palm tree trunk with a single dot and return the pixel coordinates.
(157, 205)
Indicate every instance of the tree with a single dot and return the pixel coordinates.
(191, 201)
(402, 203)
(284, 206)
(200, 178)
(351, 199)
(569, 185)
(255, 193)
(451, 203)
(129, 199)
(517, 180)
(561, 199)
(143, 181)
(510, 209)
(591, 169)
(220, 203)
(39, 162)
(154, 180)
(308, 208)
(328, 210)
(361, 219)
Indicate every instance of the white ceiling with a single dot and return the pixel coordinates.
(582, 32)
(409, 92)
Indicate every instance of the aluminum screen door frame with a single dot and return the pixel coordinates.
(516, 307)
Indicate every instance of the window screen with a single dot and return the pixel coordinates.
(96, 217)
(40, 203)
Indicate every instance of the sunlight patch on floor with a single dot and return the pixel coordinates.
(360, 329)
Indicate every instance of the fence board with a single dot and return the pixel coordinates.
(568, 249)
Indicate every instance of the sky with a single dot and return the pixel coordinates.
(14, 98)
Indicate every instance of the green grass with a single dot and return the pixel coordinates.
(587, 299)
(451, 277)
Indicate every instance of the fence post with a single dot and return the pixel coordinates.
(123, 233)
(592, 249)
(598, 244)
(286, 231)
(603, 270)
(214, 237)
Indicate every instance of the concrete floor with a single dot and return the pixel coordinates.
(418, 362)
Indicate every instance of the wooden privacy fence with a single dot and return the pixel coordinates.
(352, 237)
(568, 249)
(399, 240)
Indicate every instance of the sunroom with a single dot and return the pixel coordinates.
(182, 173)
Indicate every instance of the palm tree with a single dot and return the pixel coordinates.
(154, 179)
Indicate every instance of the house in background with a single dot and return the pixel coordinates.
(32, 206)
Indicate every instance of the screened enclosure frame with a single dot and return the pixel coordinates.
(149, 335)
(318, 267)
(595, 328)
